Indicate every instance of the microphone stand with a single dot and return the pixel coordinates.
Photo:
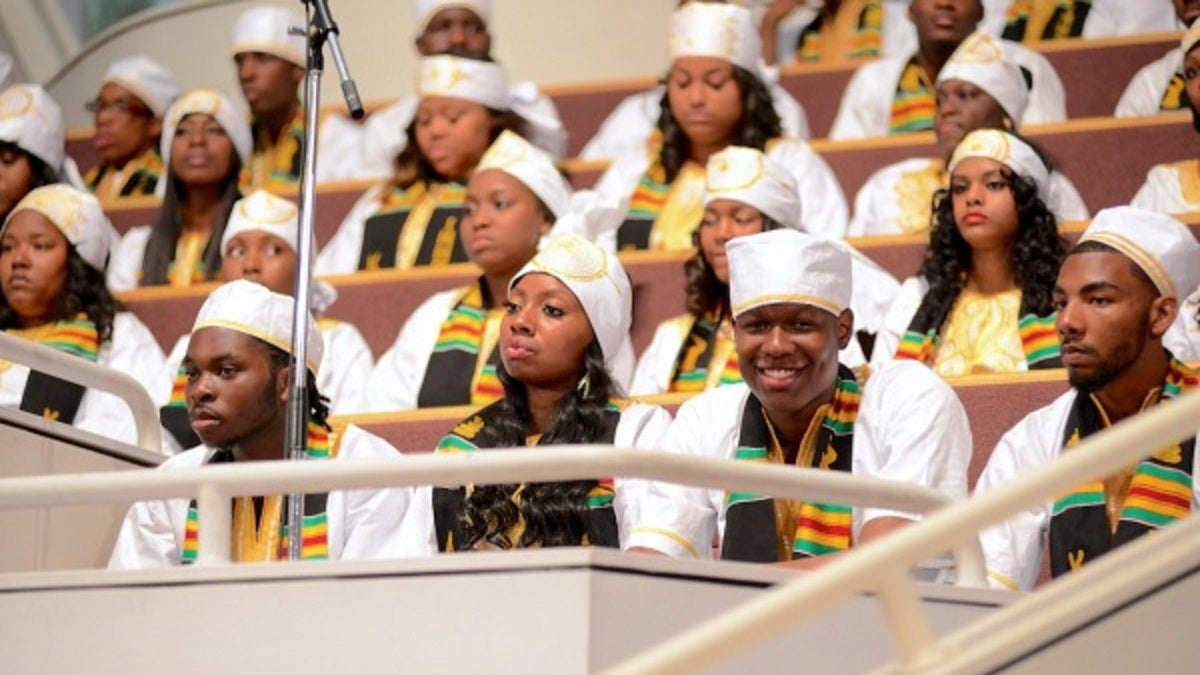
(321, 28)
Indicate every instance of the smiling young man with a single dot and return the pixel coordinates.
(270, 63)
(1117, 293)
(237, 389)
(790, 294)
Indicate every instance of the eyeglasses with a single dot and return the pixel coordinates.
(121, 107)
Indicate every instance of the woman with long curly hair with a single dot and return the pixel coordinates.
(994, 252)
(205, 142)
(566, 315)
(715, 97)
(53, 249)
(412, 219)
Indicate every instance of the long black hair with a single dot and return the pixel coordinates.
(165, 233)
(555, 514)
(758, 124)
(84, 292)
(1037, 254)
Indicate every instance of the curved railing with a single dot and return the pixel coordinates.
(881, 566)
(214, 485)
(93, 376)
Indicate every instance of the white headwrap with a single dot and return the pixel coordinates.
(216, 105)
(263, 211)
(981, 61)
(748, 176)
(597, 279)
(482, 82)
(1007, 149)
(268, 30)
(1190, 38)
(32, 120)
(1163, 247)
(787, 266)
(532, 166)
(255, 310)
(720, 30)
(77, 214)
(424, 10)
(145, 78)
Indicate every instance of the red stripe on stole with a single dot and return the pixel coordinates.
(1151, 494)
(824, 528)
(313, 540)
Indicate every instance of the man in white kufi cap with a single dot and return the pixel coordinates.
(130, 347)
(1118, 292)
(128, 111)
(269, 50)
(693, 353)
(1169, 187)
(897, 198)
(247, 328)
(422, 368)
(259, 244)
(894, 95)
(789, 296)
(628, 127)
(444, 27)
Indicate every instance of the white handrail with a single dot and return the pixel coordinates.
(213, 485)
(93, 376)
(874, 566)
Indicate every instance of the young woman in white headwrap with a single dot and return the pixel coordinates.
(567, 314)
(715, 97)
(747, 192)
(412, 219)
(31, 143)
(53, 249)
(206, 139)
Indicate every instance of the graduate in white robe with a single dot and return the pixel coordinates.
(1174, 187)
(790, 295)
(37, 221)
(245, 328)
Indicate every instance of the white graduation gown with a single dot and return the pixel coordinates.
(1163, 191)
(1143, 95)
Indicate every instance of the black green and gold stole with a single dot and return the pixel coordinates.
(1039, 339)
(762, 529)
(1160, 491)
(440, 244)
(1065, 21)
(455, 359)
(48, 396)
(1173, 95)
(914, 102)
(448, 503)
(275, 163)
(143, 179)
(314, 531)
(866, 42)
(647, 202)
(174, 415)
(696, 354)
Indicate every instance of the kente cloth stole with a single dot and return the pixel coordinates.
(275, 163)
(448, 502)
(914, 103)
(702, 345)
(1173, 95)
(1160, 491)
(413, 227)
(49, 396)
(187, 268)
(272, 525)
(174, 416)
(141, 175)
(1035, 20)
(455, 374)
(1039, 339)
(762, 529)
(663, 215)
(865, 42)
